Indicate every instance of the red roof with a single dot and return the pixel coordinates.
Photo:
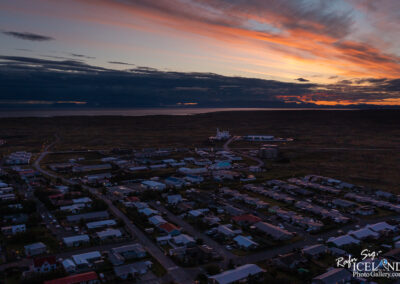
(168, 227)
(55, 196)
(249, 218)
(133, 198)
(39, 261)
(77, 278)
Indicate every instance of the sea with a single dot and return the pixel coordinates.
(138, 111)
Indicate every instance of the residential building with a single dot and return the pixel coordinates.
(85, 260)
(245, 242)
(14, 229)
(154, 185)
(184, 240)
(83, 278)
(75, 241)
(101, 224)
(157, 220)
(174, 182)
(314, 251)
(35, 249)
(246, 219)
(343, 240)
(44, 264)
(130, 251)
(132, 269)
(174, 199)
(275, 232)
(88, 216)
(170, 229)
(238, 274)
(335, 275)
(109, 234)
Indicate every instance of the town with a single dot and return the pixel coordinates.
(185, 215)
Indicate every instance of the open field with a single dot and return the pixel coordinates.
(357, 146)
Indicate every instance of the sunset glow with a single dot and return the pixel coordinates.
(322, 42)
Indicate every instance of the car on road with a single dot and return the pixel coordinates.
(228, 247)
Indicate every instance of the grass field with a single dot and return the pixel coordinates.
(357, 146)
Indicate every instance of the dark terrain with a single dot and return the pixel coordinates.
(359, 146)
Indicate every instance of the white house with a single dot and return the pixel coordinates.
(245, 242)
(109, 233)
(100, 224)
(157, 220)
(343, 240)
(14, 229)
(174, 199)
(238, 274)
(153, 185)
(75, 241)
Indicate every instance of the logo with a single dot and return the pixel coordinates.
(370, 264)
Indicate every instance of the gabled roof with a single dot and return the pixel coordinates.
(381, 226)
(343, 240)
(249, 218)
(244, 241)
(73, 279)
(274, 231)
(334, 276)
(363, 233)
(315, 249)
(236, 274)
(39, 261)
(168, 227)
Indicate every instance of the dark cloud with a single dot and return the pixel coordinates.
(345, 82)
(371, 80)
(120, 63)
(28, 36)
(71, 80)
(82, 56)
(302, 80)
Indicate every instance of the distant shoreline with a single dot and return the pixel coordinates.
(142, 111)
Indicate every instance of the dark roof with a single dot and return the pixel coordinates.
(88, 216)
(249, 218)
(39, 261)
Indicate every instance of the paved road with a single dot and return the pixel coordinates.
(181, 275)
(177, 273)
(260, 163)
(227, 255)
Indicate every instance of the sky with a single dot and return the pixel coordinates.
(336, 52)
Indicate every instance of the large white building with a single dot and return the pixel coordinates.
(221, 135)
